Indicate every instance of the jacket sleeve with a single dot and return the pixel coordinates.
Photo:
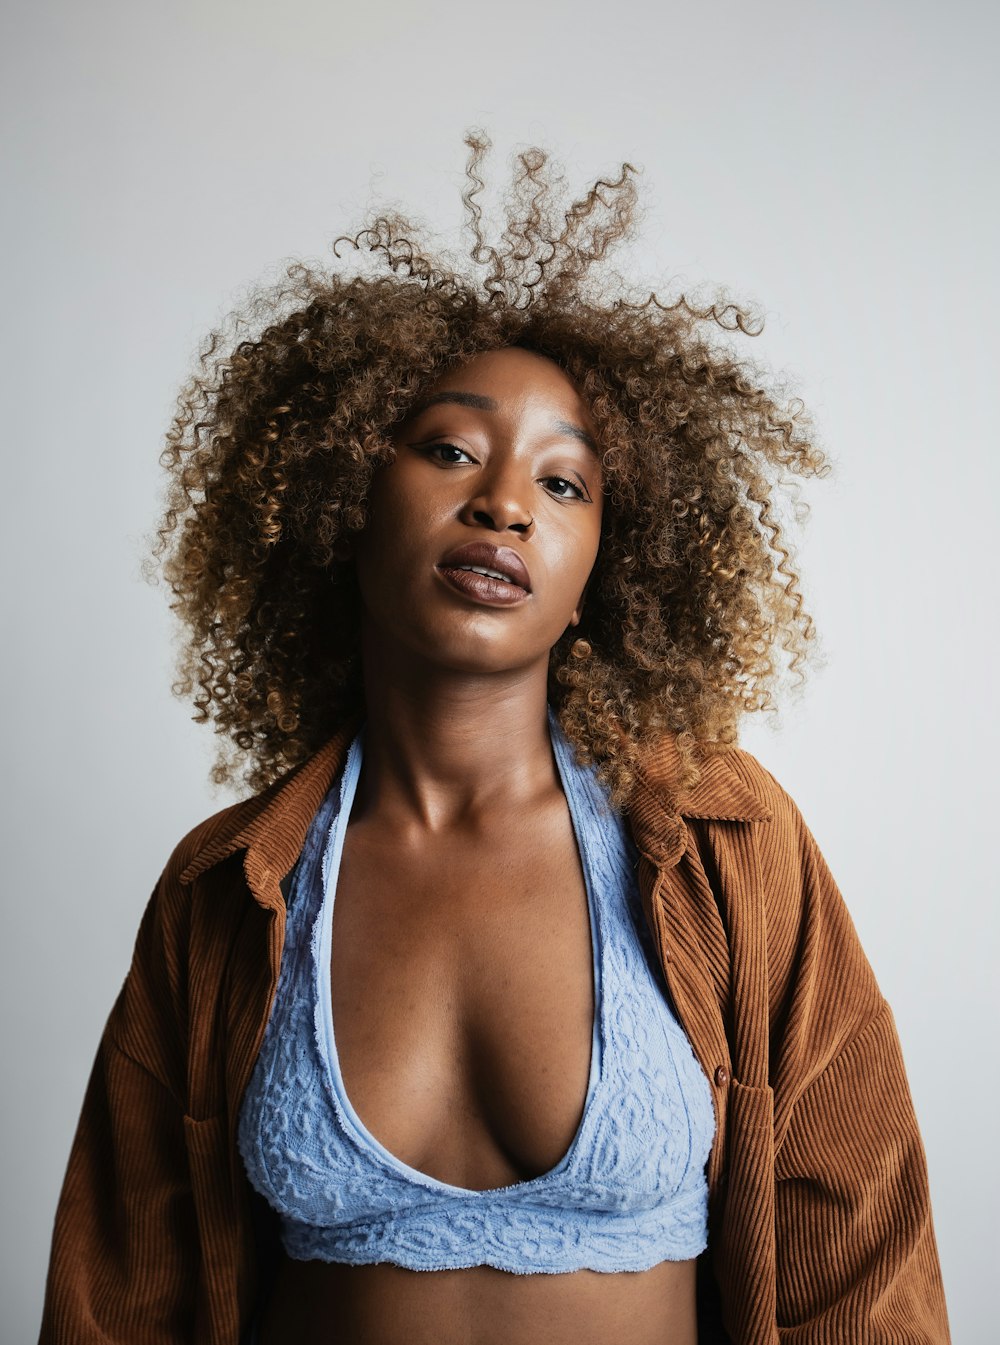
(124, 1257)
(855, 1247)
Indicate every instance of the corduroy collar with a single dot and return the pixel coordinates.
(272, 825)
(655, 810)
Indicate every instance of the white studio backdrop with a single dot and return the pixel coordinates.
(834, 165)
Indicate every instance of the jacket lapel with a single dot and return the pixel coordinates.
(271, 829)
(685, 915)
(272, 826)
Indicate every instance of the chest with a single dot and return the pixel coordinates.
(463, 996)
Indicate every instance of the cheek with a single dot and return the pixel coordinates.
(568, 574)
(402, 507)
(391, 516)
(392, 555)
(384, 500)
(377, 552)
(581, 556)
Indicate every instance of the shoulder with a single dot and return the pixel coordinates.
(184, 923)
(146, 1021)
(762, 855)
(733, 784)
(785, 825)
(793, 871)
(812, 942)
(749, 770)
(211, 839)
(272, 822)
(167, 917)
(204, 835)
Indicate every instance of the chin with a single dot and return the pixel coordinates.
(479, 661)
(474, 653)
(471, 644)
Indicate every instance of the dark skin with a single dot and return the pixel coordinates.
(462, 975)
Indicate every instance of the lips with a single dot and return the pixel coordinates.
(499, 559)
(505, 584)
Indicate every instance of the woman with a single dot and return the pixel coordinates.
(479, 577)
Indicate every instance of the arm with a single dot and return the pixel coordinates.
(124, 1248)
(856, 1254)
(124, 1259)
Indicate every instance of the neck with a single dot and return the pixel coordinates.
(445, 747)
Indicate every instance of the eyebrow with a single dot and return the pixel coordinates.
(480, 403)
(473, 399)
(577, 432)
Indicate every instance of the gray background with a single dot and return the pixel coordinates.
(835, 164)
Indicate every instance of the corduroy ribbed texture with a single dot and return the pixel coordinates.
(820, 1228)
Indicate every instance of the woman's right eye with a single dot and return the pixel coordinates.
(448, 452)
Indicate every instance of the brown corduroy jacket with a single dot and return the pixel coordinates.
(820, 1224)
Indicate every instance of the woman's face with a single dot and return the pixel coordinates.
(498, 469)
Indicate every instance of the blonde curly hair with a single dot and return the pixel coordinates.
(275, 440)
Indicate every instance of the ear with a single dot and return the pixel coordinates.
(578, 609)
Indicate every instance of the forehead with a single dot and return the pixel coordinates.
(512, 374)
(513, 383)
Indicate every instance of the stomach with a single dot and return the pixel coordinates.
(324, 1303)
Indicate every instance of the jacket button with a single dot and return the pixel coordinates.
(722, 1076)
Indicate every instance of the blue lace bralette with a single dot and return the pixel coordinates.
(631, 1189)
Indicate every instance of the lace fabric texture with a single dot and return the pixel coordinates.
(631, 1189)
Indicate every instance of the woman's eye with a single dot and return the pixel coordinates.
(449, 453)
(563, 488)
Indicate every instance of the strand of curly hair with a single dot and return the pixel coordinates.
(276, 437)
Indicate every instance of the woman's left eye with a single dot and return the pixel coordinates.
(562, 488)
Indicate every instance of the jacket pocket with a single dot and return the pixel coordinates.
(749, 1110)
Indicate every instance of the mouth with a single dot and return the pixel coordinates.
(492, 574)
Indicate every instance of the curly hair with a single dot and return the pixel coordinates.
(275, 440)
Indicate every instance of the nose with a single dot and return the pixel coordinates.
(500, 504)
